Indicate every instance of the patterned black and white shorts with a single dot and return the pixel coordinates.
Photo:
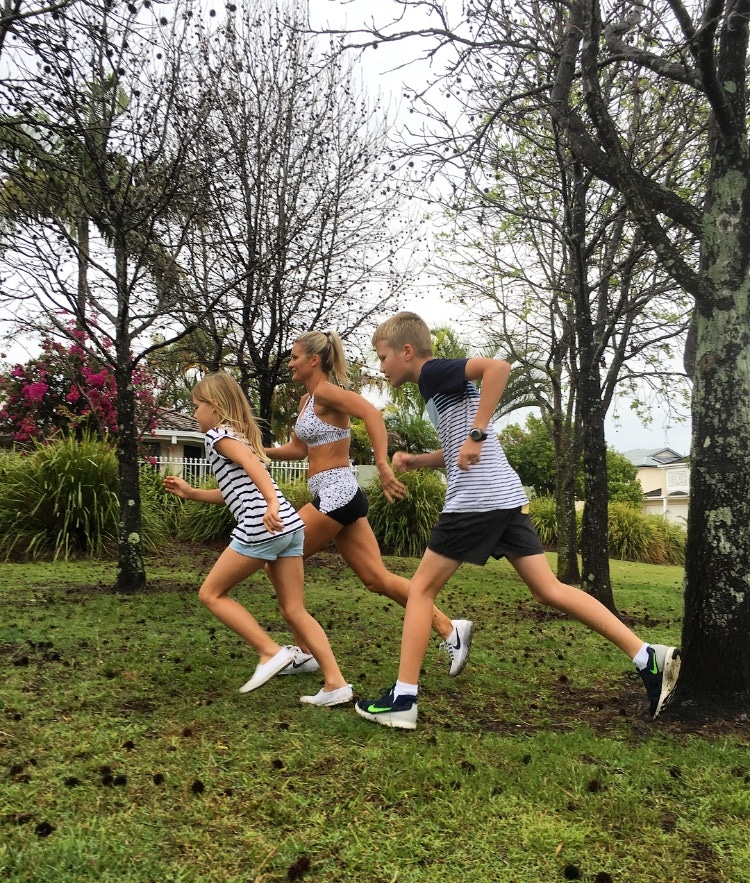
(336, 494)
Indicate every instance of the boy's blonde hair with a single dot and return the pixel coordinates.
(327, 345)
(403, 328)
(226, 397)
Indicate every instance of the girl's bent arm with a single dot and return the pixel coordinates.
(180, 488)
(239, 453)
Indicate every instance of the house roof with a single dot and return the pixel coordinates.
(172, 422)
(653, 456)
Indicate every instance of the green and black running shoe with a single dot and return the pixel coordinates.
(390, 712)
(660, 676)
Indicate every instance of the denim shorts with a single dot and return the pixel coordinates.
(288, 545)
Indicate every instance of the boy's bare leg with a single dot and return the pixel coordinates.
(657, 664)
(433, 573)
(547, 589)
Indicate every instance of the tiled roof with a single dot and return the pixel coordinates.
(653, 456)
(174, 421)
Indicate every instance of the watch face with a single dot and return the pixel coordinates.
(477, 435)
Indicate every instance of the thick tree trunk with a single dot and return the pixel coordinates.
(594, 534)
(716, 629)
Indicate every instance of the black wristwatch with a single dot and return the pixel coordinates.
(477, 435)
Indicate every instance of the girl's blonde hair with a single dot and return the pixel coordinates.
(222, 392)
(327, 345)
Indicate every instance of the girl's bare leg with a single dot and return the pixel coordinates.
(229, 570)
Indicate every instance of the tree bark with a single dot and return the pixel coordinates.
(594, 535)
(131, 570)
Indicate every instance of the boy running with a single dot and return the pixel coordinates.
(481, 517)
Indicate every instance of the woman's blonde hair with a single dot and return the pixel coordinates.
(327, 345)
(226, 397)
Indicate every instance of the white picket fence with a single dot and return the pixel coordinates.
(196, 469)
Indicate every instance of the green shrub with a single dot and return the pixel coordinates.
(403, 528)
(205, 522)
(61, 501)
(632, 536)
(297, 492)
(544, 518)
(671, 539)
(649, 539)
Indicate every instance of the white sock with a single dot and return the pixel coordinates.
(641, 657)
(402, 689)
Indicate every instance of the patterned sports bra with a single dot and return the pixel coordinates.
(313, 431)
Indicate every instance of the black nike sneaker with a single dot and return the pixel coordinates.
(660, 676)
(390, 712)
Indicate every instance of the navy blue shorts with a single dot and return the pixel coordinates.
(475, 536)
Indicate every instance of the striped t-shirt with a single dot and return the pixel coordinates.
(452, 403)
(243, 498)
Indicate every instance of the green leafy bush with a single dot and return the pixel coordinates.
(632, 536)
(650, 539)
(61, 500)
(544, 518)
(403, 528)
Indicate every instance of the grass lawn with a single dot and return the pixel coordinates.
(127, 753)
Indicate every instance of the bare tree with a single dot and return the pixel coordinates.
(18, 18)
(301, 226)
(95, 140)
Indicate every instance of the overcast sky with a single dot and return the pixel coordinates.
(380, 73)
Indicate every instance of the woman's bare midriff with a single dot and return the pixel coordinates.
(331, 456)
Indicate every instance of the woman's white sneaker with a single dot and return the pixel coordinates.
(332, 697)
(458, 644)
(302, 663)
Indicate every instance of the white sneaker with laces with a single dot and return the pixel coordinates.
(458, 644)
(265, 671)
(332, 697)
(301, 664)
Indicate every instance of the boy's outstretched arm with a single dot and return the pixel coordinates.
(403, 462)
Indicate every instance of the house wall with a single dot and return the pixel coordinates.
(674, 484)
(672, 508)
